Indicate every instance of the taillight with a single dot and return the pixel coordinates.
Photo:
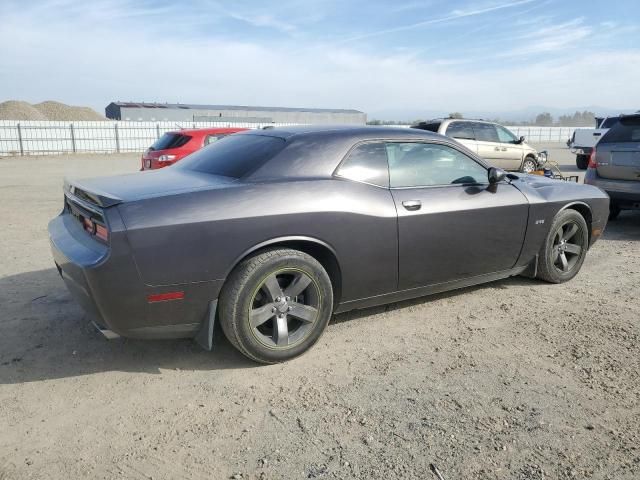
(592, 159)
(95, 229)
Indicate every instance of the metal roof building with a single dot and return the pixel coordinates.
(181, 112)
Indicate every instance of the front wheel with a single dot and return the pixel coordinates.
(276, 304)
(564, 248)
(529, 165)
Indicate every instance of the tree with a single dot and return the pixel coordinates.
(544, 119)
(455, 115)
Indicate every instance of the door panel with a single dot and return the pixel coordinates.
(510, 149)
(458, 232)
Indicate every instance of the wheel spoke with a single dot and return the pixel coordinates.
(555, 253)
(297, 286)
(558, 236)
(261, 314)
(571, 231)
(573, 249)
(281, 331)
(305, 313)
(272, 287)
(565, 263)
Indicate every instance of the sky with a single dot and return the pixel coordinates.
(398, 60)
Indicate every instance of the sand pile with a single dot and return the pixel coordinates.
(15, 110)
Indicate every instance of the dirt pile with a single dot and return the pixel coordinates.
(15, 110)
(49, 110)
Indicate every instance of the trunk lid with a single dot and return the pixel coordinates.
(618, 161)
(112, 190)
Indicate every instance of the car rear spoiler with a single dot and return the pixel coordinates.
(95, 197)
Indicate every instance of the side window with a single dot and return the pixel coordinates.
(366, 163)
(428, 164)
(213, 138)
(461, 130)
(505, 136)
(485, 132)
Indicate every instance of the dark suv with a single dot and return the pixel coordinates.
(614, 165)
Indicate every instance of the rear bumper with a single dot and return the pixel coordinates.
(581, 150)
(622, 192)
(105, 282)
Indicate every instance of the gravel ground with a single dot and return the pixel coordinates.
(516, 379)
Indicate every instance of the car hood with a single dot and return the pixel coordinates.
(108, 191)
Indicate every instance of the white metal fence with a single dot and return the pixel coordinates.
(51, 137)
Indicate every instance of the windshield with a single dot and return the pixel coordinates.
(234, 156)
(170, 140)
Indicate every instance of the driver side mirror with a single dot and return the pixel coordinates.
(520, 140)
(496, 175)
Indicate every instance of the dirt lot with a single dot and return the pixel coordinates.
(516, 379)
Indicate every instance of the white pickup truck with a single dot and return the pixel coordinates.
(584, 139)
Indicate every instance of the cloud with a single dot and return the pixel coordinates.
(454, 15)
(80, 59)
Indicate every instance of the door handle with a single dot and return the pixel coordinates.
(412, 204)
(497, 149)
(504, 149)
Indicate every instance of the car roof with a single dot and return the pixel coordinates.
(356, 132)
(207, 131)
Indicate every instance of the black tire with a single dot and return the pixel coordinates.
(614, 211)
(582, 161)
(551, 267)
(529, 165)
(249, 296)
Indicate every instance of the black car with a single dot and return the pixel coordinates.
(269, 232)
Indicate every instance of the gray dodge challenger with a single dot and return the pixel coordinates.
(269, 232)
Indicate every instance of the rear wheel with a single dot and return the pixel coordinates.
(276, 305)
(564, 249)
(582, 161)
(529, 165)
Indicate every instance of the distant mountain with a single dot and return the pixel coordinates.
(522, 115)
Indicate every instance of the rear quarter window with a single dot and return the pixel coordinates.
(236, 157)
(429, 126)
(625, 130)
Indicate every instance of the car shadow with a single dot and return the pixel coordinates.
(624, 228)
(44, 335)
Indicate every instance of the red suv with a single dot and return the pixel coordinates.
(174, 146)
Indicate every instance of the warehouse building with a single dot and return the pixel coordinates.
(181, 112)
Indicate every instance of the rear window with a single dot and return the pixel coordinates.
(234, 156)
(609, 122)
(429, 126)
(170, 140)
(625, 130)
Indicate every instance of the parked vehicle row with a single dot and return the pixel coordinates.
(269, 232)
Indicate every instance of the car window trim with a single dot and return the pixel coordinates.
(446, 144)
(479, 161)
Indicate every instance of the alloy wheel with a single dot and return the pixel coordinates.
(284, 308)
(567, 246)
